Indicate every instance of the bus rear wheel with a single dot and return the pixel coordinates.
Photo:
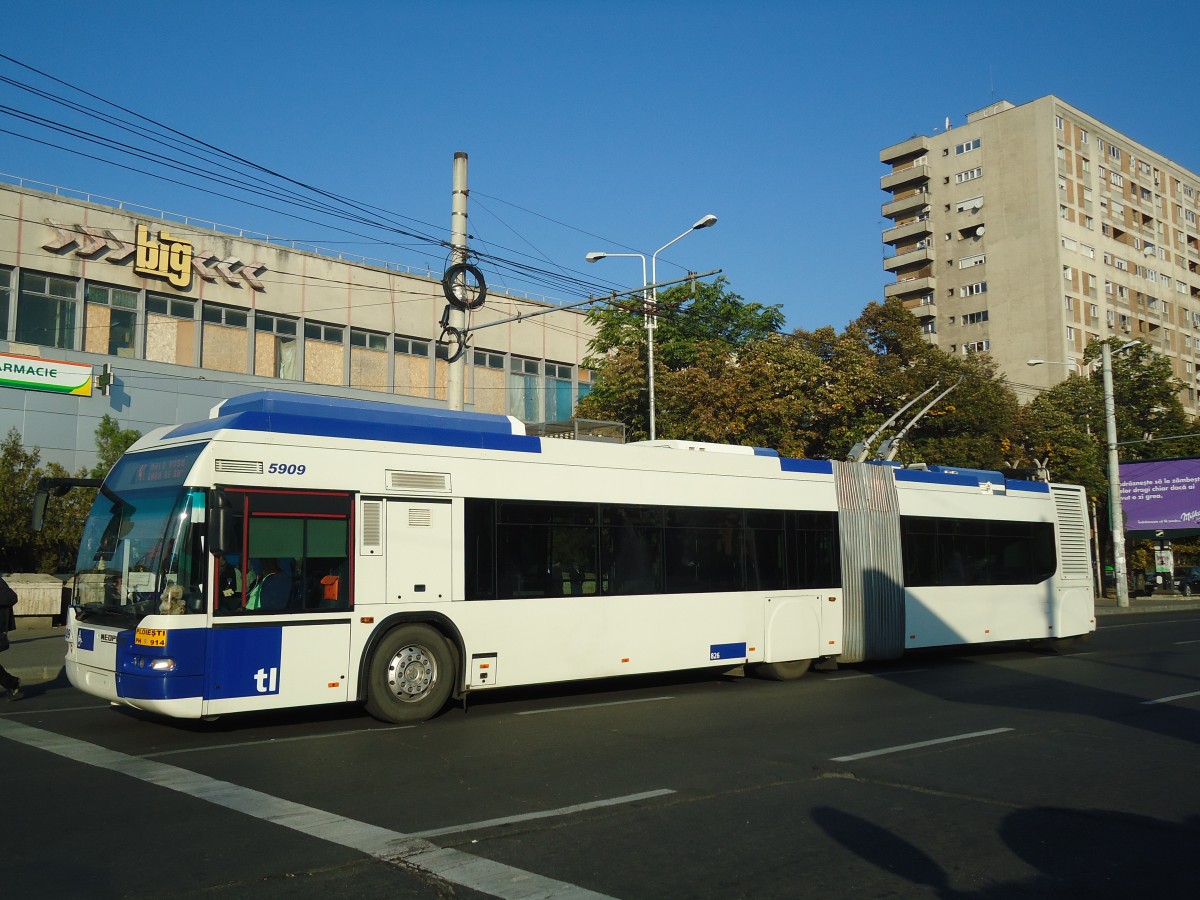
(411, 675)
(782, 671)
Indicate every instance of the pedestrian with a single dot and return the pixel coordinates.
(8, 622)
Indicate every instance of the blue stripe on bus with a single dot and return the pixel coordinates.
(369, 429)
(818, 466)
(1037, 487)
(316, 406)
(138, 680)
(245, 662)
(727, 651)
(765, 451)
(920, 477)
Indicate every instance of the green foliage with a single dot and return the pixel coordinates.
(53, 548)
(808, 393)
(111, 442)
(19, 473)
(691, 324)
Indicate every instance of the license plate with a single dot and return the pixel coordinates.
(150, 637)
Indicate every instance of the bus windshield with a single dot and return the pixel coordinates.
(142, 545)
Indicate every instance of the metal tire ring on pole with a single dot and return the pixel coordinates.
(451, 283)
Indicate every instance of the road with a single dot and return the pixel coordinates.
(992, 773)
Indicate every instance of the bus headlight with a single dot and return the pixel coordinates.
(162, 665)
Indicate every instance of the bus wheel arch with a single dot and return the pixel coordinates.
(788, 670)
(410, 673)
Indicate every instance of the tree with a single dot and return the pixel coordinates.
(111, 442)
(692, 319)
(52, 549)
(19, 474)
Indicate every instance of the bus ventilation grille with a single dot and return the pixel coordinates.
(418, 481)
(239, 466)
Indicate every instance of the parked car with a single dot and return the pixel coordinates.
(1187, 580)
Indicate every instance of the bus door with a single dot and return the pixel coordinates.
(419, 551)
(283, 638)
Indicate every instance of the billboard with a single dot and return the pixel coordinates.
(33, 374)
(1161, 495)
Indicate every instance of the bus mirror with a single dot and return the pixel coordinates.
(39, 509)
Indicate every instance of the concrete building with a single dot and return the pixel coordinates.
(185, 313)
(1031, 230)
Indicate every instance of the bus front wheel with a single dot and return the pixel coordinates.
(411, 675)
(782, 671)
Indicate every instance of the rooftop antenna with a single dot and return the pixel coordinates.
(858, 453)
(887, 450)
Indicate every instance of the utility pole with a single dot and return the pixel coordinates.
(458, 240)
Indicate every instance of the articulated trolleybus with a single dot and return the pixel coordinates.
(294, 550)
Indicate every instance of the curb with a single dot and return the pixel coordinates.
(1154, 607)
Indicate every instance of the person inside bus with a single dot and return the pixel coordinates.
(274, 586)
(113, 593)
(229, 585)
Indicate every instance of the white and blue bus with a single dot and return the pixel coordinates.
(294, 550)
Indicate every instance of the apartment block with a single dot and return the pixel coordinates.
(1031, 230)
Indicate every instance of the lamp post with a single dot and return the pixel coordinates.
(650, 303)
(1116, 513)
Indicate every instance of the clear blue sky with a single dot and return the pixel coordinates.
(598, 126)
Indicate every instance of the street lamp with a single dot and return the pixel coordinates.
(650, 304)
(1116, 513)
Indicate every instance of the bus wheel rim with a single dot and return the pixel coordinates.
(411, 673)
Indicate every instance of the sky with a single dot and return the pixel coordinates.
(606, 126)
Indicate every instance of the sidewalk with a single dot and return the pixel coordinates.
(36, 651)
(37, 648)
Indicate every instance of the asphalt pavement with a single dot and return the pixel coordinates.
(37, 648)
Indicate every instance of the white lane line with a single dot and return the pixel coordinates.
(1169, 699)
(535, 712)
(1144, 624)
(544, 814)
(62, 709)
(1181, 643)
(306, 737)
(454, 866)
(877, 674)
(919, 744)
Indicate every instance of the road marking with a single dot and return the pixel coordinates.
(919, 744)
(877, 674)
(1144, 624)
(535, 712)
(306, 737)
(39, 712)
(454, 866)
(544, 814)
(1181, 643)
(1169, 699)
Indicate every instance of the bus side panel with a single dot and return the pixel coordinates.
(793, 628)
(973, 614)
(269, 664)
(544, 640)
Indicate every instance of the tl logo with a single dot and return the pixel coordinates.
(266, 681)
(164, 257)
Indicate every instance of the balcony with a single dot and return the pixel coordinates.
(901, 205)
(916, 256)
(910, 176)
(925, 309)
(914, 146)
(900, 233)
(911, 286)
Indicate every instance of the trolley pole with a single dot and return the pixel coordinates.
(458, 241)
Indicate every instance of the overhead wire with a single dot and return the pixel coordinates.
(358, 212)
